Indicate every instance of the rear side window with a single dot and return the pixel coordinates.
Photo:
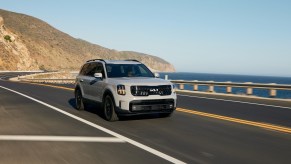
(91, 69)
(84, 69)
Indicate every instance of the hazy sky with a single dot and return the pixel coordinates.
(203, 36)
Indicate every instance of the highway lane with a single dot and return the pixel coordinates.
(238, 98)
(190, 138)
(270, 111)
(247, 111)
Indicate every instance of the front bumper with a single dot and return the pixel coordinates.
(148, 107)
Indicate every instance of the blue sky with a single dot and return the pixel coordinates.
(210, 36)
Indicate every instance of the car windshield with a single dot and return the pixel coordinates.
(127, 70)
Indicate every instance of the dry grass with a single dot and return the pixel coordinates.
(55, 75)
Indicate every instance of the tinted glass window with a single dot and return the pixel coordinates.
(91, 69)
(83, 70)
(128, 70)
(100, 69)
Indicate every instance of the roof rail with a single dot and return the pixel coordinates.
(95, 60)
(132, 60)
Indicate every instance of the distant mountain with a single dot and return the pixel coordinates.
(27, 43)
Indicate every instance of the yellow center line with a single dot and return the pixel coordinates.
(236, 120)
(48, 85)
(225, 118)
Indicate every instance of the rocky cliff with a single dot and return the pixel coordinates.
(27, 43)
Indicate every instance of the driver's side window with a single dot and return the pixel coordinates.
(100, 69)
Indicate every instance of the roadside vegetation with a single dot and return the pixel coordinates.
(7, 38)
(55, 75)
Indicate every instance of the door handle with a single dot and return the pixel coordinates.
(81, 80)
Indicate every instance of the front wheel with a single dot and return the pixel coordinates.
(80, 105)
(109, 109)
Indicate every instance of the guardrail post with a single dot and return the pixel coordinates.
(211, 87)
(273, 92)
(249, 89)
(195, 87)
(228, 88)
(181, 86)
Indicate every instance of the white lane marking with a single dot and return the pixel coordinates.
(135, 143)
(59, 138)
(236, 101)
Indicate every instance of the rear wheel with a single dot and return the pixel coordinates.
(80, 105)
(109, 109)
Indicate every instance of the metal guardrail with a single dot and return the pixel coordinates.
(59, 81)
(272, 87)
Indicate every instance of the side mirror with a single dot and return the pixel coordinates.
(157, 75)
(98, 75)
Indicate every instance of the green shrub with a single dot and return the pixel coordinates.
(42, 67)
(7, 38)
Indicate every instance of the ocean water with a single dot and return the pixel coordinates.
(233, 78)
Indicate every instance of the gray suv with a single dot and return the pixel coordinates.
(123, 87)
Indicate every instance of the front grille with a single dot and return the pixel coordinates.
(162, 90)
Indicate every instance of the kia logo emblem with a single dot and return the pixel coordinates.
(154, 90)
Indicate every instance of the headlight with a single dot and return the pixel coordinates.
(121, 89)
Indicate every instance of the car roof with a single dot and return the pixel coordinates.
(116, 61)
(121, 62)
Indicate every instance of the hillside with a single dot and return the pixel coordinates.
(27, 43)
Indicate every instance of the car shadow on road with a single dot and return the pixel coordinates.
(90, 107)
(95, 108)
(141, 117)
(72, 102)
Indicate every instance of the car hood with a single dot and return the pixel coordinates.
(138, 81)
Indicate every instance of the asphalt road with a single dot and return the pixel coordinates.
(8, 75)
(186, 137)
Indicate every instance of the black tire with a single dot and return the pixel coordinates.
(109, 109)
(80, 105)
